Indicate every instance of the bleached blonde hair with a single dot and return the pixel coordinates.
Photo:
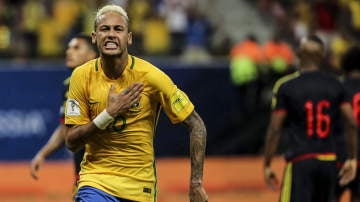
(110, 8)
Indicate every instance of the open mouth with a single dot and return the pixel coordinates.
(111, 45)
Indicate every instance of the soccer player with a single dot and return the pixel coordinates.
(311, 101)
(112, 110)
(80, 50)
(351, 66)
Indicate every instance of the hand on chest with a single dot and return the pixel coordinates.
(99, 96)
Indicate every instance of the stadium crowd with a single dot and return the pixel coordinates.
(337, 22)
(42, 28)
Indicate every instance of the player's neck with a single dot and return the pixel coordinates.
(308, 67)
(113, 67)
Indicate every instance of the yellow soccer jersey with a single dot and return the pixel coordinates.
(120, 159)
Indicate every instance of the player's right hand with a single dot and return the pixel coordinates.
(120, 102)
(270, 178)
(35, 165)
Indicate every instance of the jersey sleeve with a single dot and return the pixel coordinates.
(76, 107)
(278, 99)
(175, 102)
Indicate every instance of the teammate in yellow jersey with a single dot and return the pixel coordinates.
(80, 50)
(112, 109)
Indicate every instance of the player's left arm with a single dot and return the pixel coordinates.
(197, 132)
(179, 108)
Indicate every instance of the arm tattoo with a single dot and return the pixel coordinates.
(197, 146)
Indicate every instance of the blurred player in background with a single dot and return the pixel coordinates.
(351, 65)
(113, 108)
(311, 101)
(80, 50)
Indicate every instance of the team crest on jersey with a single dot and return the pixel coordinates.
(135, 108)
(72, 107)
(178, 101)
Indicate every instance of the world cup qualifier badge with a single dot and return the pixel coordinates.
(178, 101)
(72, 107)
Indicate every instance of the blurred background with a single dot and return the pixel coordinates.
(225, 55)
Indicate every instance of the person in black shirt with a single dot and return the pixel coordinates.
(351, 65)
(310, 101)
(80, 50)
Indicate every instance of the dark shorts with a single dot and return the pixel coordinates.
(91, 194)
(309, 180)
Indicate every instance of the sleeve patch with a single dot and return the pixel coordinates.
(72, 107)
(178, 101)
